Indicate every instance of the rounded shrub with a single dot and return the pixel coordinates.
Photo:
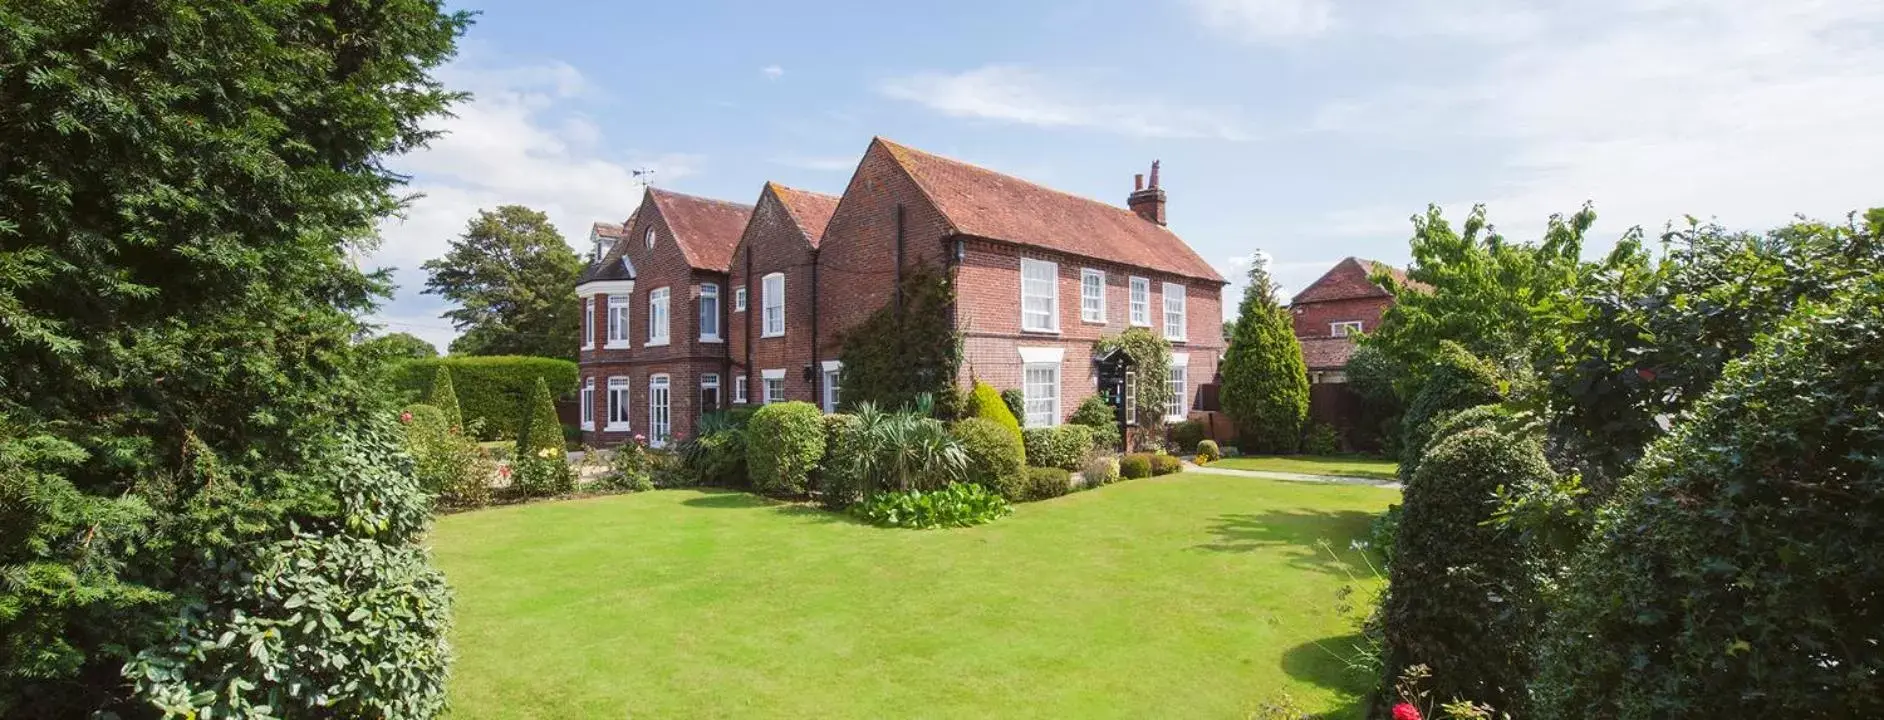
(1458, 381)
(838, 479)
(1100, 470)
(784, 443)
(1739, 571)
(996, 460)
(1060, 446)
(1208, 452)
(988, 406)
(1462, 598)
(1093, 412)
(1135, 465)
(1321, 440)
(1047, 482)
(1187, 434)
(1165, 464)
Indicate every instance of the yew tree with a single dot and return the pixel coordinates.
(1265, 380)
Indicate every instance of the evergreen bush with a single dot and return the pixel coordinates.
(1265, 380)
(1016, 402)
(541, 430)
(1462, 595)
(490, 389)
(1060, 446)
(1187, 434)
(1208, 452)
(1321, 440)
(785, 442)
(1135, 465)
(1739, 571)
(1100, 470)
(1093, 412)
(443, 397)
(1046, 482)
(448, 464)
(905, 349)
(837, 479)
(1162, 464)
(996, 459)
(1458, 381)
(716, 454)
(989, 406)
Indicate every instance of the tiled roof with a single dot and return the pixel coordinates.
(706, 229)
(981, 202)
(1329, 353)
(811, 210)
(610, 267)
(612, 231)
(1349, 279)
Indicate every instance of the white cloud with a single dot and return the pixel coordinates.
(772, 72)
(1011, 93)
(1266, 19)
(1745, 110)
(518, 141)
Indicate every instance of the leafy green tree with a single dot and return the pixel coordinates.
(186, 436)
(446, 400)
(1265, 380)
(401, 346)
(514, 281)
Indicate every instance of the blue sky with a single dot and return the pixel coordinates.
(1306, 129)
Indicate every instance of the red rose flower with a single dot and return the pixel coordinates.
(1406, 711)
(405, 417)
(1646, 374)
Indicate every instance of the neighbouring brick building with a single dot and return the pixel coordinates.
(1333, 312)
(1039, 276)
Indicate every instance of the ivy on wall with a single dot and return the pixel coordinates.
(1152, 356)
(891, 359)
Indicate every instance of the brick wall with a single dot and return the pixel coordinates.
(1315, 319)
(857, 256)
(776, 245)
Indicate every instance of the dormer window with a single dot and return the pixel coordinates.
(1345, 328)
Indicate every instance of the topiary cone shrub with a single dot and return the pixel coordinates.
(443, 397)
(1739, 571)
(1461, 596)
(541, 429)
(785, 442)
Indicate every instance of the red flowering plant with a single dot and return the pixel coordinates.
(1412, 698)
(406, 417)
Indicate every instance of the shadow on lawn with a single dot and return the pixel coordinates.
(1295, 533)
(725, 499)
(1323, 663)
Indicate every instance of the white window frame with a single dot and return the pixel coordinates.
(1027, 392)
(1141, 302)
(587, 405)
(1051, 296)
(711, 381)
(710, 292)
(739, 299)
(659, 315)
(619, 408)
(1092, 296)
(588, 323)
(1174, 309)
(618, 307)
(833, 372)
(1344, 328)
(660, 414)
(772, 306)
(649, 236)
(1178, 374)
(739, 390)
(765, 386)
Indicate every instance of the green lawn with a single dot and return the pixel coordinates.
(1349, 465)
(1189, 596)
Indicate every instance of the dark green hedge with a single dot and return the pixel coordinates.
(494, 388)
(1458, 380)
(996, 459)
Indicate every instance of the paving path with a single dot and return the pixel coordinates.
(1297, 477)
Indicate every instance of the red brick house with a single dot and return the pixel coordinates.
(1334, 311)
(1039, 276)
(653, 352)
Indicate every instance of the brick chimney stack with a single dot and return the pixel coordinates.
(1148, 202)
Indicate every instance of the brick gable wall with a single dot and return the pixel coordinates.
(857, 256)
(774, 243)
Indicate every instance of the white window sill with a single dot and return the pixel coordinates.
(712, 339)
(654, 343)
(614, 427)
(588, 347)
(1054, 331)
(1090, 321)
(763, 336)
(615, 345)
(1176, 339)
(1140, 324)
(588, 427)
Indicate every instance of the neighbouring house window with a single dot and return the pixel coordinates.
(709, 312)
(650, 238)
(1041, 390)
(775, 388)
(709, 393)
(1092, 296)
(588, 322)
(1179, 381)
(1040, 296)
(657, 316)
(618, 320)
(831, 372)
(618, 404)
(1173, 311)
(587, 404)
(660, 422)
(739, 299)
(739, 389)
(1141, 301)
(772, 301)
(1345, 328)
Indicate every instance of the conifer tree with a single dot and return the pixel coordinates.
(445, 398)
(1265, 381)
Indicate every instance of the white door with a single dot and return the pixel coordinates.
(830, 391)
(658, 416)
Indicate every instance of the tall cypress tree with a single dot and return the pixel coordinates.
(1265, 381)
(445, 398)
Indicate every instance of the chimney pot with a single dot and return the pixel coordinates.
(1138, 182)
(1154, 173)
(1147, 201)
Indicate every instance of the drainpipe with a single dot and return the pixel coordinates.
(749, 313)
(817, 383)
(897, 293)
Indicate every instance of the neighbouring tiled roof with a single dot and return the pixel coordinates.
(610, 267)
(1349, 279)
(1330, 353)
(707, 230)
(811, 210)
(984, 203)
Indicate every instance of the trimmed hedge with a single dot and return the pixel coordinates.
(1187, 434)
(1462, 596)
(1094, 413)
(996, 459)
(1047, 482)
(1165, 464)
(1459, 381)
(784, 443)
(1739, 572)
(1060, 446)
(988, 406)
(838, 482)
(493, 389)
(1135, 466)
